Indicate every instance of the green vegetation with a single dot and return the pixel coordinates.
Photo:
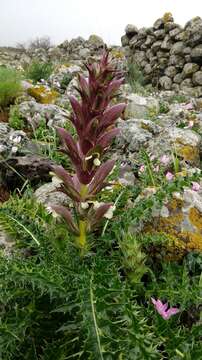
(10, 86)
(136, 80)
(56, 305)
(59, 301)
(65, 81)
(178, 98)
(15, 120)
(38, 71)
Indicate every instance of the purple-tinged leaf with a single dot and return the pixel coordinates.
(65, 213)
(68, 182)
(114, 86)
(111, 114)
(85, 145)
(100, 175)
(84, 177)
(70, 145)
(76, 106)
(105, 140)
(99, 213)
(83, 85)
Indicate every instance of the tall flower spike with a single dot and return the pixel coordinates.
(94, 119)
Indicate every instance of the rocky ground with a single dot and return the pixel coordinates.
(150, 249)
(161, 122)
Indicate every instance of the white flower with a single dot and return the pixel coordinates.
(96, 162)
(88, 157)
(108, 188)
(96, 205)
(14, 149)
(51, 211)
(84, 205)
(109, 213)
(2, 148)
(16, 140)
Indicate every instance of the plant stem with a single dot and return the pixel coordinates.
(81, 239)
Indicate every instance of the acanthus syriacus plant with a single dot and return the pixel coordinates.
(94, 119)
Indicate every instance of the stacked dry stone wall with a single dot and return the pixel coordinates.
(169, 55)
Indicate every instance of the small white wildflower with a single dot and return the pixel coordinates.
(96, 162)
(2, 148)
(51, 211)
(96, 205)
(56, 180)
(112, 170)
(88, 157)
(109, 213)
(109, 188)
(14, 149)
(84, 205)
(17, 140)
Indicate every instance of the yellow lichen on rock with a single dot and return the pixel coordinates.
(175, 204)
(117, 54)
(195, 242)
(188, 152)
(195, 217)
(43, 95)
(167, 17)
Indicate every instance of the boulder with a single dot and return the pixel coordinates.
(177, 48)
(139, 106)
(189, 69)
(165, 82)
(170, 71)
(187, 144)
(180, 219)
(197, 78)
(48, 194)
(33, 112)
(135, 133)
(131, 30)
(196, 54)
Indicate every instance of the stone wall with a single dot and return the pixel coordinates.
(169, 55)
(75, 49)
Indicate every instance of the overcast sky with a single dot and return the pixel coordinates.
(22, 20)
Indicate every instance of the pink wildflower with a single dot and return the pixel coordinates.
(169, 176)
(163, 310)
(142, 168)
(195, 186)
(190, 124)
(188, 106)
(164, 159)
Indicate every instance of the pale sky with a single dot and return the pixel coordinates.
(22, 20)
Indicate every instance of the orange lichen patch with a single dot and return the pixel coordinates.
(43, 95)
(175, 204)
(195, 218)
(170, 223)
(195, 242)
(188, 152)
(175, 249)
